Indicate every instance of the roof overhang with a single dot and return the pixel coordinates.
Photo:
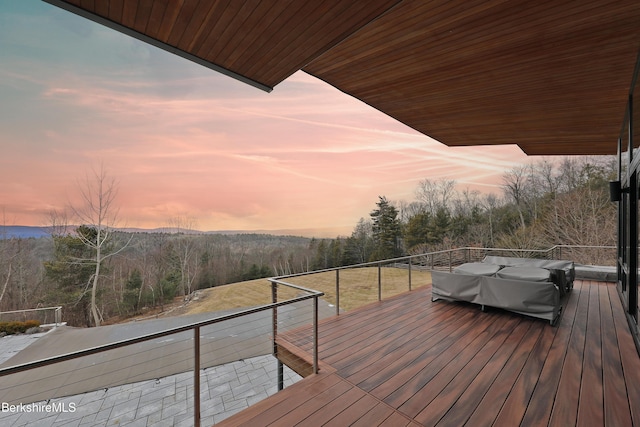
(551, 77)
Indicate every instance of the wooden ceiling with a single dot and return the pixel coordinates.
(550, 76)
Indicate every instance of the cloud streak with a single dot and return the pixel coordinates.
(183, 140)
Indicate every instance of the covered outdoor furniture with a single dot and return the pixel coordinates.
(477, 268)
(531, 274)
(533, 287)
(531, 298)
(455, 287)
(537, 299)
(563, 272)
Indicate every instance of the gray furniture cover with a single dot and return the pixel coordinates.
(477, 268)
(532, 274)
(529, 286)
(563, 272)
(455, 287)
(537, 299)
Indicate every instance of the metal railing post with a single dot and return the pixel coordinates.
(196, 327)
(196, 376)
(274, 334)
(274, 316)
(337, 292)
(379, 281)
(449, 261)
(409, 273)
(315, 335)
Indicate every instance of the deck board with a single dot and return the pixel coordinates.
(628, 356)
(529, 402)
(591, 403)
(340, 392)
(614, 389)
(450, 395)
(411, 361)
(425, 386)
(410, 356)
(520, 394)
(503, 368)
(374, 417)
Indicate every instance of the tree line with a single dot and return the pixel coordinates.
(537, 206)
(98, 273)
(151, 271)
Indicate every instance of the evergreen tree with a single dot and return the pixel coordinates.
(359, 246)
(350, 253)
(72, 274)
(386, 230)
(441, 225)
(335, 253)
(257, 272)
(321, 258)
(417, 230)
(132, 293)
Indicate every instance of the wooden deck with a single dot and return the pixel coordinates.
(410, 361)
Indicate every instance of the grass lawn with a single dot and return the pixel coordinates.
(358, 287)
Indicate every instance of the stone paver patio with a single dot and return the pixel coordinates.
(168, 401)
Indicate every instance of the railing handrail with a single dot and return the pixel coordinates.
(123, 343)
(311, 293)
(57, 312)
(278, 280)
(59, 307)
(298, 287)
(442, 251)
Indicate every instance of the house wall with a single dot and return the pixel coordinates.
(628, 206)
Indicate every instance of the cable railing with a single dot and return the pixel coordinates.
(44, 315)
(355, 285)
(240, 335)
(201, 346)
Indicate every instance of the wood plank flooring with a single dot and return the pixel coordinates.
(410, 361)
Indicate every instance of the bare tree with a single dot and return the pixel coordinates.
(515, 188)
(6, 281)
(185, 251)
(546, 178)
(362, 241)
(97, 210)
(435, 195)
(407, 210)
(584, 216)
(466, 201)
(58, 223)
(490, 203)
(5, 259)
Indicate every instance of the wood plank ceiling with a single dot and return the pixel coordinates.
(552, 77)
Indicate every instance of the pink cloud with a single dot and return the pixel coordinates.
(304, 156)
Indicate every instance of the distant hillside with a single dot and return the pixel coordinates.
(22, 231)
(302, 232)
(26, 232)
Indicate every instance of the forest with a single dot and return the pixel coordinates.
(99, 274)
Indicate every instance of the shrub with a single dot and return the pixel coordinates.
(31, 324)
(18, 327)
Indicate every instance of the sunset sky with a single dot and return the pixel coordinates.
(184, 141)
